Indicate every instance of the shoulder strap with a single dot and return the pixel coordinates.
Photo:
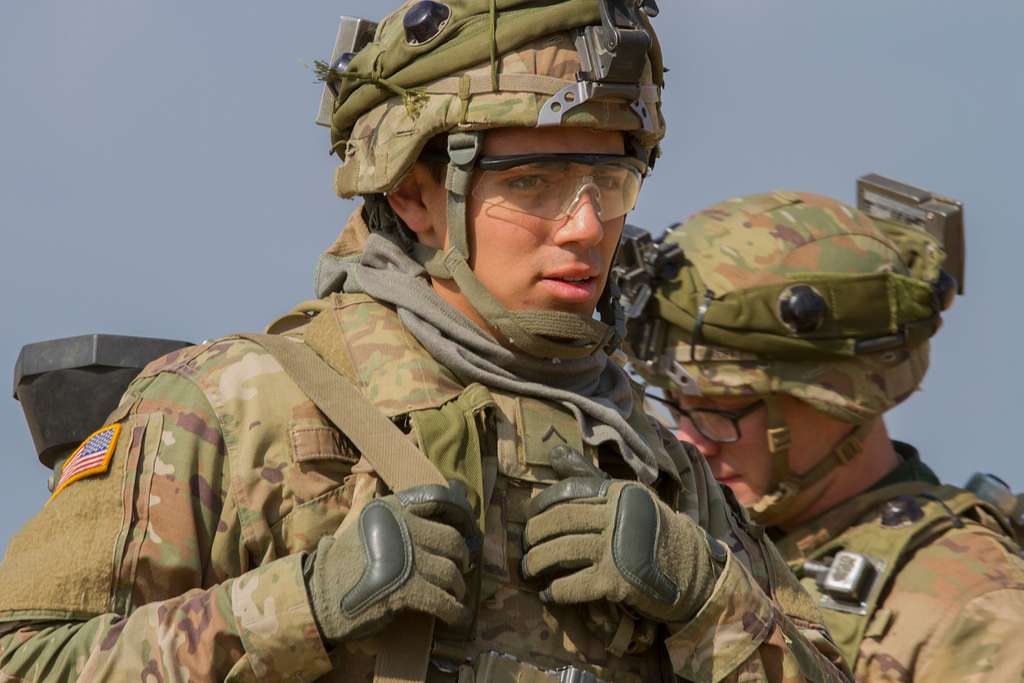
(398, 462)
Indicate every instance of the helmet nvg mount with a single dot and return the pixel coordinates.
(459, 69)
(795, 294)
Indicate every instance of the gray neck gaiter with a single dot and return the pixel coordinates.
(594, 388)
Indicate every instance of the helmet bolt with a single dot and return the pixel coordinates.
(343, 61)
(802, 308)
(424, 21)
(900, 511)
(649, 7)
(944, 288)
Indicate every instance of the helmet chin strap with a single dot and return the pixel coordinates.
(781, 503)
(535, 332)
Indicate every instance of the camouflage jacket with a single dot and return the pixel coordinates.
(943, 594)
(184, 559)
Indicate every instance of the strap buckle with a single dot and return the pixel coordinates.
(779, 439)
(572, 674)
(495, 665)
(464, 148)
(848, 581)
(848, 451)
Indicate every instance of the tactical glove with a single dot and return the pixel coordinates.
(590, 539)
(407, 551)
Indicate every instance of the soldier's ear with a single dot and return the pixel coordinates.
(420, 201)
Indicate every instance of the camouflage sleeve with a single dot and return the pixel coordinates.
(255, 627)
(144, 572)
(741, 635)
(978, 641)
(955, 612)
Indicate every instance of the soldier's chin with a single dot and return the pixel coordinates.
(746, 495)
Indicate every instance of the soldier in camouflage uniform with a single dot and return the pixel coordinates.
(792, 324)
(246, 523)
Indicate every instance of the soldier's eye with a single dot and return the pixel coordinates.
(527, 183)
(608, 182)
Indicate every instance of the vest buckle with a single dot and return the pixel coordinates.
(500, 666)
(848, 582)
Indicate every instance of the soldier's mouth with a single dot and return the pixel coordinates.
(571, 288)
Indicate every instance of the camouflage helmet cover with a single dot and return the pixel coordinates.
(407, 94)
(770, 243)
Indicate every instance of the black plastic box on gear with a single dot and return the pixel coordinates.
(68, 387)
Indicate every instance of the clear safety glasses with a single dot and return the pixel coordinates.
(552, 186)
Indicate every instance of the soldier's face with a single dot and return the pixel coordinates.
(537, 263)
(528, 262)
(745, 466)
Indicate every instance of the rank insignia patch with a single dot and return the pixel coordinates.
(92, 457)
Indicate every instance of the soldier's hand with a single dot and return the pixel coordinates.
(407, 551)
(593, 539)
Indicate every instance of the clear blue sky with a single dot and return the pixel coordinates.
(160, 173)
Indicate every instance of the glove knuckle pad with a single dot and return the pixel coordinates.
(446, 505)
(566, 490)
(635, 545)
(423, 495)
(388, 556)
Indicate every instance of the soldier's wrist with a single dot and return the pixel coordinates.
(308, 565)
(288, 644)
(707, 562)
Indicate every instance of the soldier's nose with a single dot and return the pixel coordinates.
(583, 226)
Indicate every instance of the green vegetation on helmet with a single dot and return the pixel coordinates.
(486, 68)
(793, 294)
(492, 64)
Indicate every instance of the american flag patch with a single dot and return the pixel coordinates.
(92, 457)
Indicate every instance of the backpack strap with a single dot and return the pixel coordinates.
(399, 463)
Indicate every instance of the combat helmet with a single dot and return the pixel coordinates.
(787, 293)
(458, 68)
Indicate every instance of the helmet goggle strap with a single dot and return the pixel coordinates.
(780, 503)
(535, 332)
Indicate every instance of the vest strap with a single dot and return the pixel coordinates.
(396, 460)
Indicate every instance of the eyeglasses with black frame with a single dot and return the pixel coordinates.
(714, 424)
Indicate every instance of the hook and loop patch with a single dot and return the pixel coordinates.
(91, 458)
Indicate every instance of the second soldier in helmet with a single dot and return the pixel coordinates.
(782, 327)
